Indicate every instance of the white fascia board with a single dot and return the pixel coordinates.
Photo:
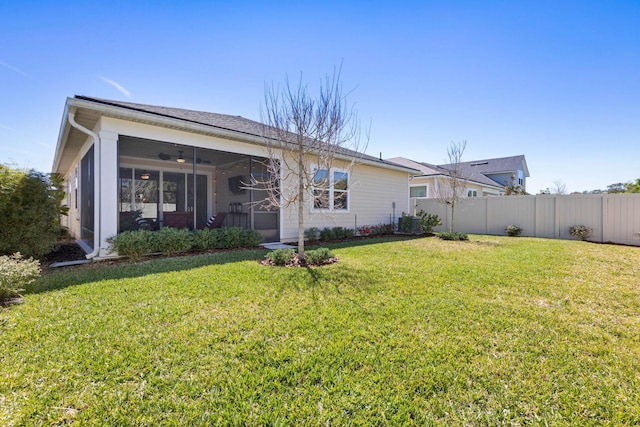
(63, 133)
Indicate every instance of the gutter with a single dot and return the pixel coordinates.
(96, 207)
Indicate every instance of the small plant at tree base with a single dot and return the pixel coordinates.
(513, 230)
(289, 257)
(319, 256)
(281, 257)
(427, 221)
(452, 235)
(582, 232)
(16, 272)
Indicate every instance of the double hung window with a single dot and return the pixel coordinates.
(331, 190)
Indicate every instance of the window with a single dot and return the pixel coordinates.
(331, 190)
(472, 193)
(418, 191)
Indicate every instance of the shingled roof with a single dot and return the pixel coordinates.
(219, 121)
(477, 170)
(222, 121)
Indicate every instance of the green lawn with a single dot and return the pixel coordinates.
(495, 331)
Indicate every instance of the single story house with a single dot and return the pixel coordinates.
(124, 162)
(480, 177)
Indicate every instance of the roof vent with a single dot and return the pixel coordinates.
(479, 163)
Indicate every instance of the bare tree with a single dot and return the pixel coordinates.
(451, 189)
(558, 187)
(306, 139)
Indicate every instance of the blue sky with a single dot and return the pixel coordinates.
(556, 81)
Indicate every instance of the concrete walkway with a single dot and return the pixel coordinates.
(277, 245)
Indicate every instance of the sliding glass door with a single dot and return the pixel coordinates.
(161, 198)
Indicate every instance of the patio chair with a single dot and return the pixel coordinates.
(215, 221)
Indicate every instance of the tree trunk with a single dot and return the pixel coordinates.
(300, 201)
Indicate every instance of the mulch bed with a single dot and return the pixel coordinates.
(64, 251)
(297, 262)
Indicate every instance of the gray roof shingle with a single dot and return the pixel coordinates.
(221, 121)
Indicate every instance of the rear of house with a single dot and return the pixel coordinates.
(125, 163)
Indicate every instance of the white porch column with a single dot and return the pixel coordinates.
(108, 193)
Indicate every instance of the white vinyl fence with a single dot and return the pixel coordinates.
(614, 218)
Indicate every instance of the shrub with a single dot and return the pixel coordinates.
(326, 234)
(230, 237)
(133, 244)
(427, 221)
(513, 230)
(452, 235)
(406, 223)
(312, 234)
(582, 232)
(251, 238)
(16, 272)
(318, 256)
(281, 256)
(341, 233)
(171, 241)
(29, 221)
(205, 239)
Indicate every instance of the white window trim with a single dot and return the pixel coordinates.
(331, 189)
(426, 191)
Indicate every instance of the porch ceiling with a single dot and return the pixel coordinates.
(168, 152)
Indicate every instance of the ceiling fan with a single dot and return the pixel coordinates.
(180, 158)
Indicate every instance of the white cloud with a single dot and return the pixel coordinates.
(7, 128)
(116, 85)
(17, 70)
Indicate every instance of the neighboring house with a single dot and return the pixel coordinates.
(122, 161)
(480, 177)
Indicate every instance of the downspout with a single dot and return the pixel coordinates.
(96, 204)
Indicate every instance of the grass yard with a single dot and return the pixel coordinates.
(495, 331)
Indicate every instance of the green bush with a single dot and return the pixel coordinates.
(16, 272)
(326, 234)
(513, 230)
(231, 237)
(29, 220)
(312, 234)
(406, 223)
(341, 233)
(171, 241)
(427, 221)
(336, 233)
(582, 232)
(281, 256)
(251, 238)
(375, 230)
(318, 256)
(452, 235)
(205, 239)
(134, 244)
